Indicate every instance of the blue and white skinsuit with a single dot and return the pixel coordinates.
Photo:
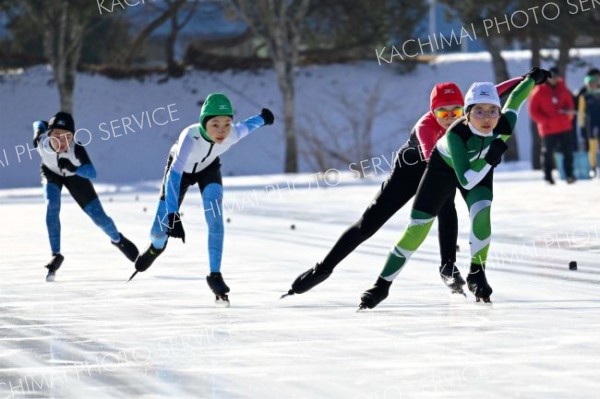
(195, 160)
(78, 183)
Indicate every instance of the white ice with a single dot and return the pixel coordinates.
(92, 335)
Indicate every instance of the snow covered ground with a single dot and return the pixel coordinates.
(90, 334)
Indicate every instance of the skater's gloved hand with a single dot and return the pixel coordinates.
(175, 227)
(494, 154)
(539, 75)
(64, 163)
(267, 116)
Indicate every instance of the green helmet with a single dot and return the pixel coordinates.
(216, 104)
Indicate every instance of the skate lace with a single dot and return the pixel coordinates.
(453, 270)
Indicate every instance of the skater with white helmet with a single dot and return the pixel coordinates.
(463, 159)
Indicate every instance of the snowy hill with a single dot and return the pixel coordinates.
(326, 97)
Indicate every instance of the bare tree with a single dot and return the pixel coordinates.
(64, 23)
(278, 23)
(327, 148)
(164, 15)
(173, 69)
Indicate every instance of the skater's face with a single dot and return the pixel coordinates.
(484, 117)
(219, 128)
(61, 140)
(446, 116)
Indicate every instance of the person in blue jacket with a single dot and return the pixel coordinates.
(65, 162)
(194, 159)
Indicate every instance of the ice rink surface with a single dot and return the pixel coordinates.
(92, 335)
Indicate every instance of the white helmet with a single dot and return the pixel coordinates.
(482, 93)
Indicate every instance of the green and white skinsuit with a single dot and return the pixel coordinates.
(458, 162)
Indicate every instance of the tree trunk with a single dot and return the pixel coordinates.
(172, 67)
(493, 46)
(145, 33)
(62, 45)
(175, 69)
(285, 79)
(278, 22)
(283, 45)
(565, 43)
(66, 86)
(535, 138)
(291, 146)
(501, 75)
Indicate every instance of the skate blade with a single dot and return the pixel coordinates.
(481, 300)
(50, 277)
(458, 294)
(362, 307)
(289, 293)
(132, 276)
(222, 301)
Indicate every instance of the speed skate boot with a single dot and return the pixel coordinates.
(219, 288)
(451, 277)
(309, 279)
(145, 260)
(478, 284)
(127, 247)
(374, 295)
(53, 266)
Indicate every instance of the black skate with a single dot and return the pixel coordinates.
(373, 296)
(145, 260)
(451, 277)
(219, 288)
(478, 284)
(309, 279)
(53, 266)
(127, 247)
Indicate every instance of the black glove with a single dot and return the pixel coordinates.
(539, 75)
(267, 116)
(175, 227)
(494, 154)
(64, 163)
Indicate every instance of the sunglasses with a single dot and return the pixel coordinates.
(481, 114)
(442, 113)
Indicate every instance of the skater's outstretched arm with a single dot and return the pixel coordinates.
(516, 100)
(244, 128)
(506, 87)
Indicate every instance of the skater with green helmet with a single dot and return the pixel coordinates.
(194, 159)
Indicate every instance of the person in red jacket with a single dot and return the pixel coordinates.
(552, 108)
